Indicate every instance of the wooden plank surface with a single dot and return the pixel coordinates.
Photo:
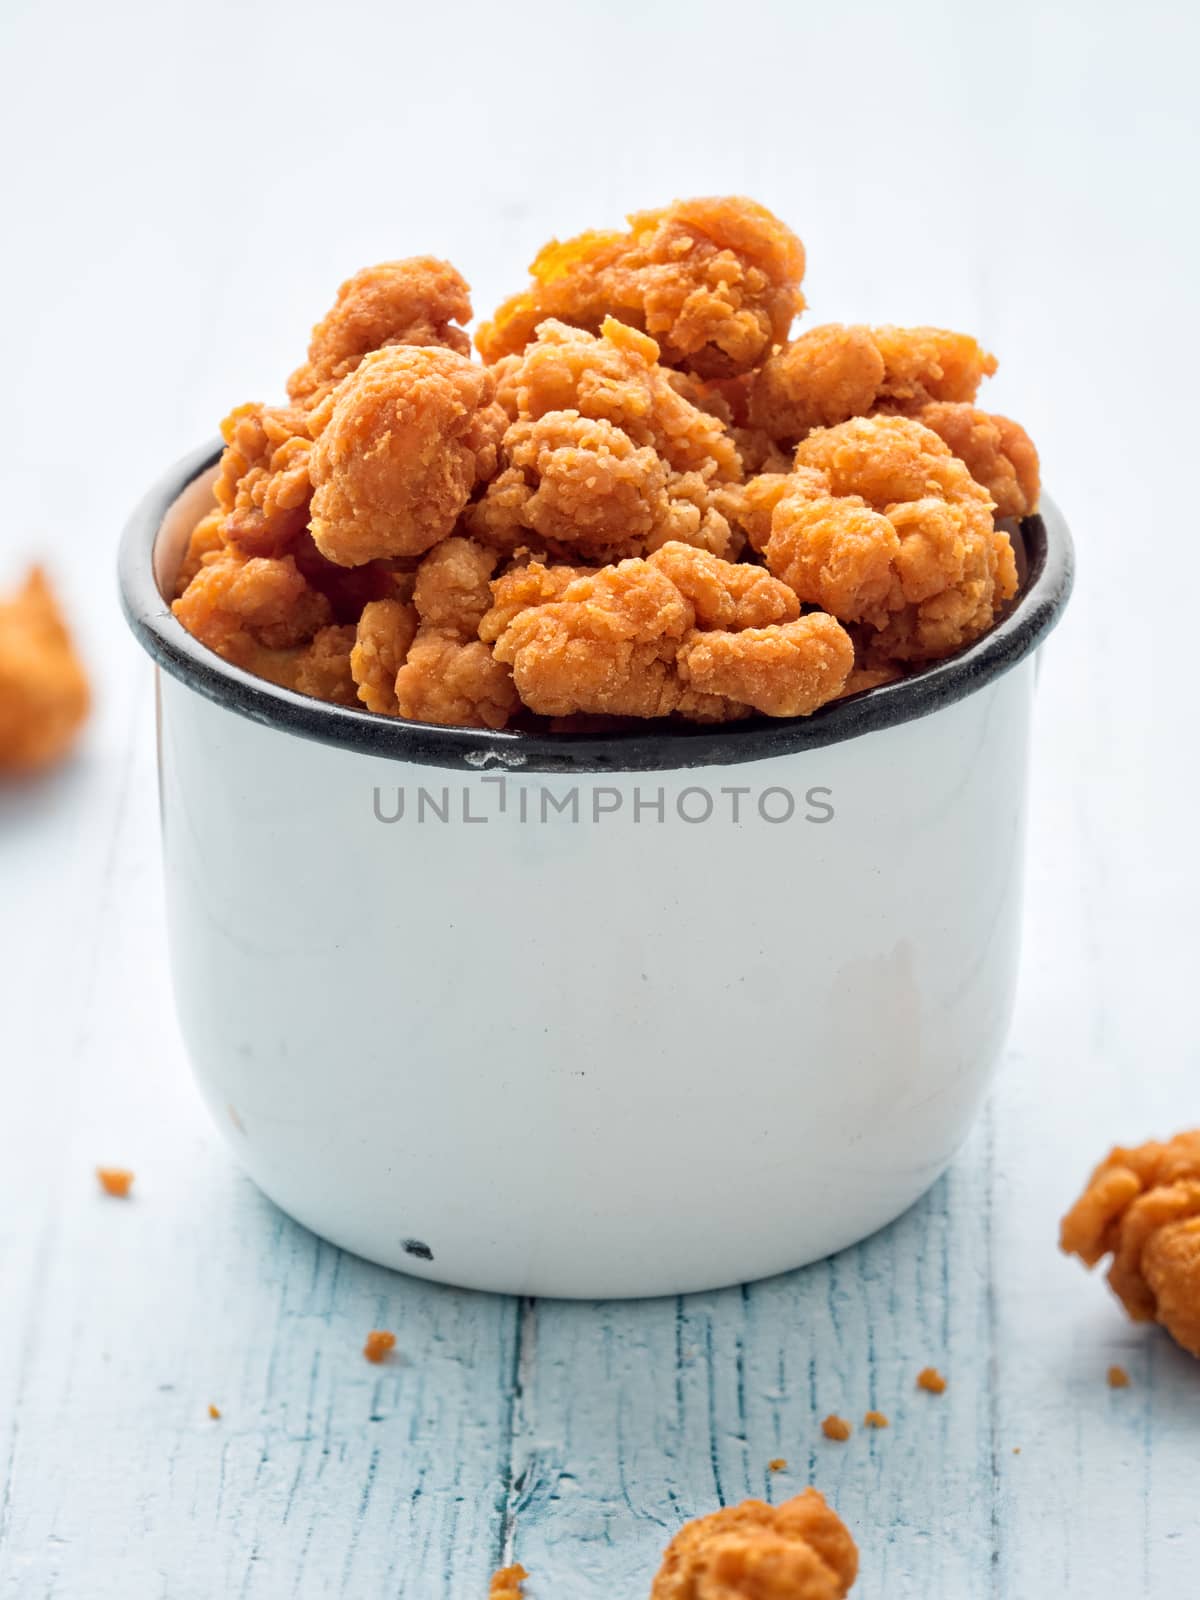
(187, 197)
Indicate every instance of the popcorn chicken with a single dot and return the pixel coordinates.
(1141, 1206)
(44, 694)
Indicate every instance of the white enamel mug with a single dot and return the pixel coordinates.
(592, 1016)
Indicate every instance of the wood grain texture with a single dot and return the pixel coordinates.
(1017, 173)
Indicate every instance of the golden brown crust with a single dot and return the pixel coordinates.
(244, 608)
(880, 524)
(385, 632)
(44, 694)
(832, 373)
(417, 301)
(263, 487)
(605, 456)
(1142, 1207)
(715, 281)
(638, 640)
(800, 1550)
(458, 684)
(403, 442)
(996, 451)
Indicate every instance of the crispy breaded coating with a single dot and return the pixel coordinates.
(800, 1550)
(262, 486)
(417, 301)
(605, 458)
(245, 607)
(715, 281)
(615, 376)
(453, 589)
(787, 670)
(322, 667)
(450, 675)
(1141, 1206)
(574, 483)
(882, 525)
(996, 451)
(44, 694)
(726, 594)
(458, 684)
(832, 373)
(530, 584)
(581, 488)
(607, 646)
(385, 632)
(207, 539)
(402, 443)
(638, 640)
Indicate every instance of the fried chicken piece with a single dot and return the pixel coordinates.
(726, 594)
(788, 670)
(453, 589)
(606, 458)
(996, 451)
(607, 646)
(450, 675)
(263, 486)
(459, 685)
(582, 489)
(401, 444)
(44, 694)
(382, 640)
(800, 1550)
(625, 641)
(207, 539)
(880, 524)
(322, 668)
(615, 376)
(1141, 1206)
(417, 301)
(531, 584)
(832, 373)
(715, 281)
(249, 608)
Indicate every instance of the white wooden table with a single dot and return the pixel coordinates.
(184, 190)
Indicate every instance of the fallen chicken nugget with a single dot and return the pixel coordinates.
(44, 696)
(800, 1550)
(1141, 1206)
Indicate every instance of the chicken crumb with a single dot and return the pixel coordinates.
(379, 1345)
(116, 1181)
(779, 1464)
(835, 1427)
(215, 1413)
(931, 1380)
(506, 1584)
(875, 1419)
(1118, 1378)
